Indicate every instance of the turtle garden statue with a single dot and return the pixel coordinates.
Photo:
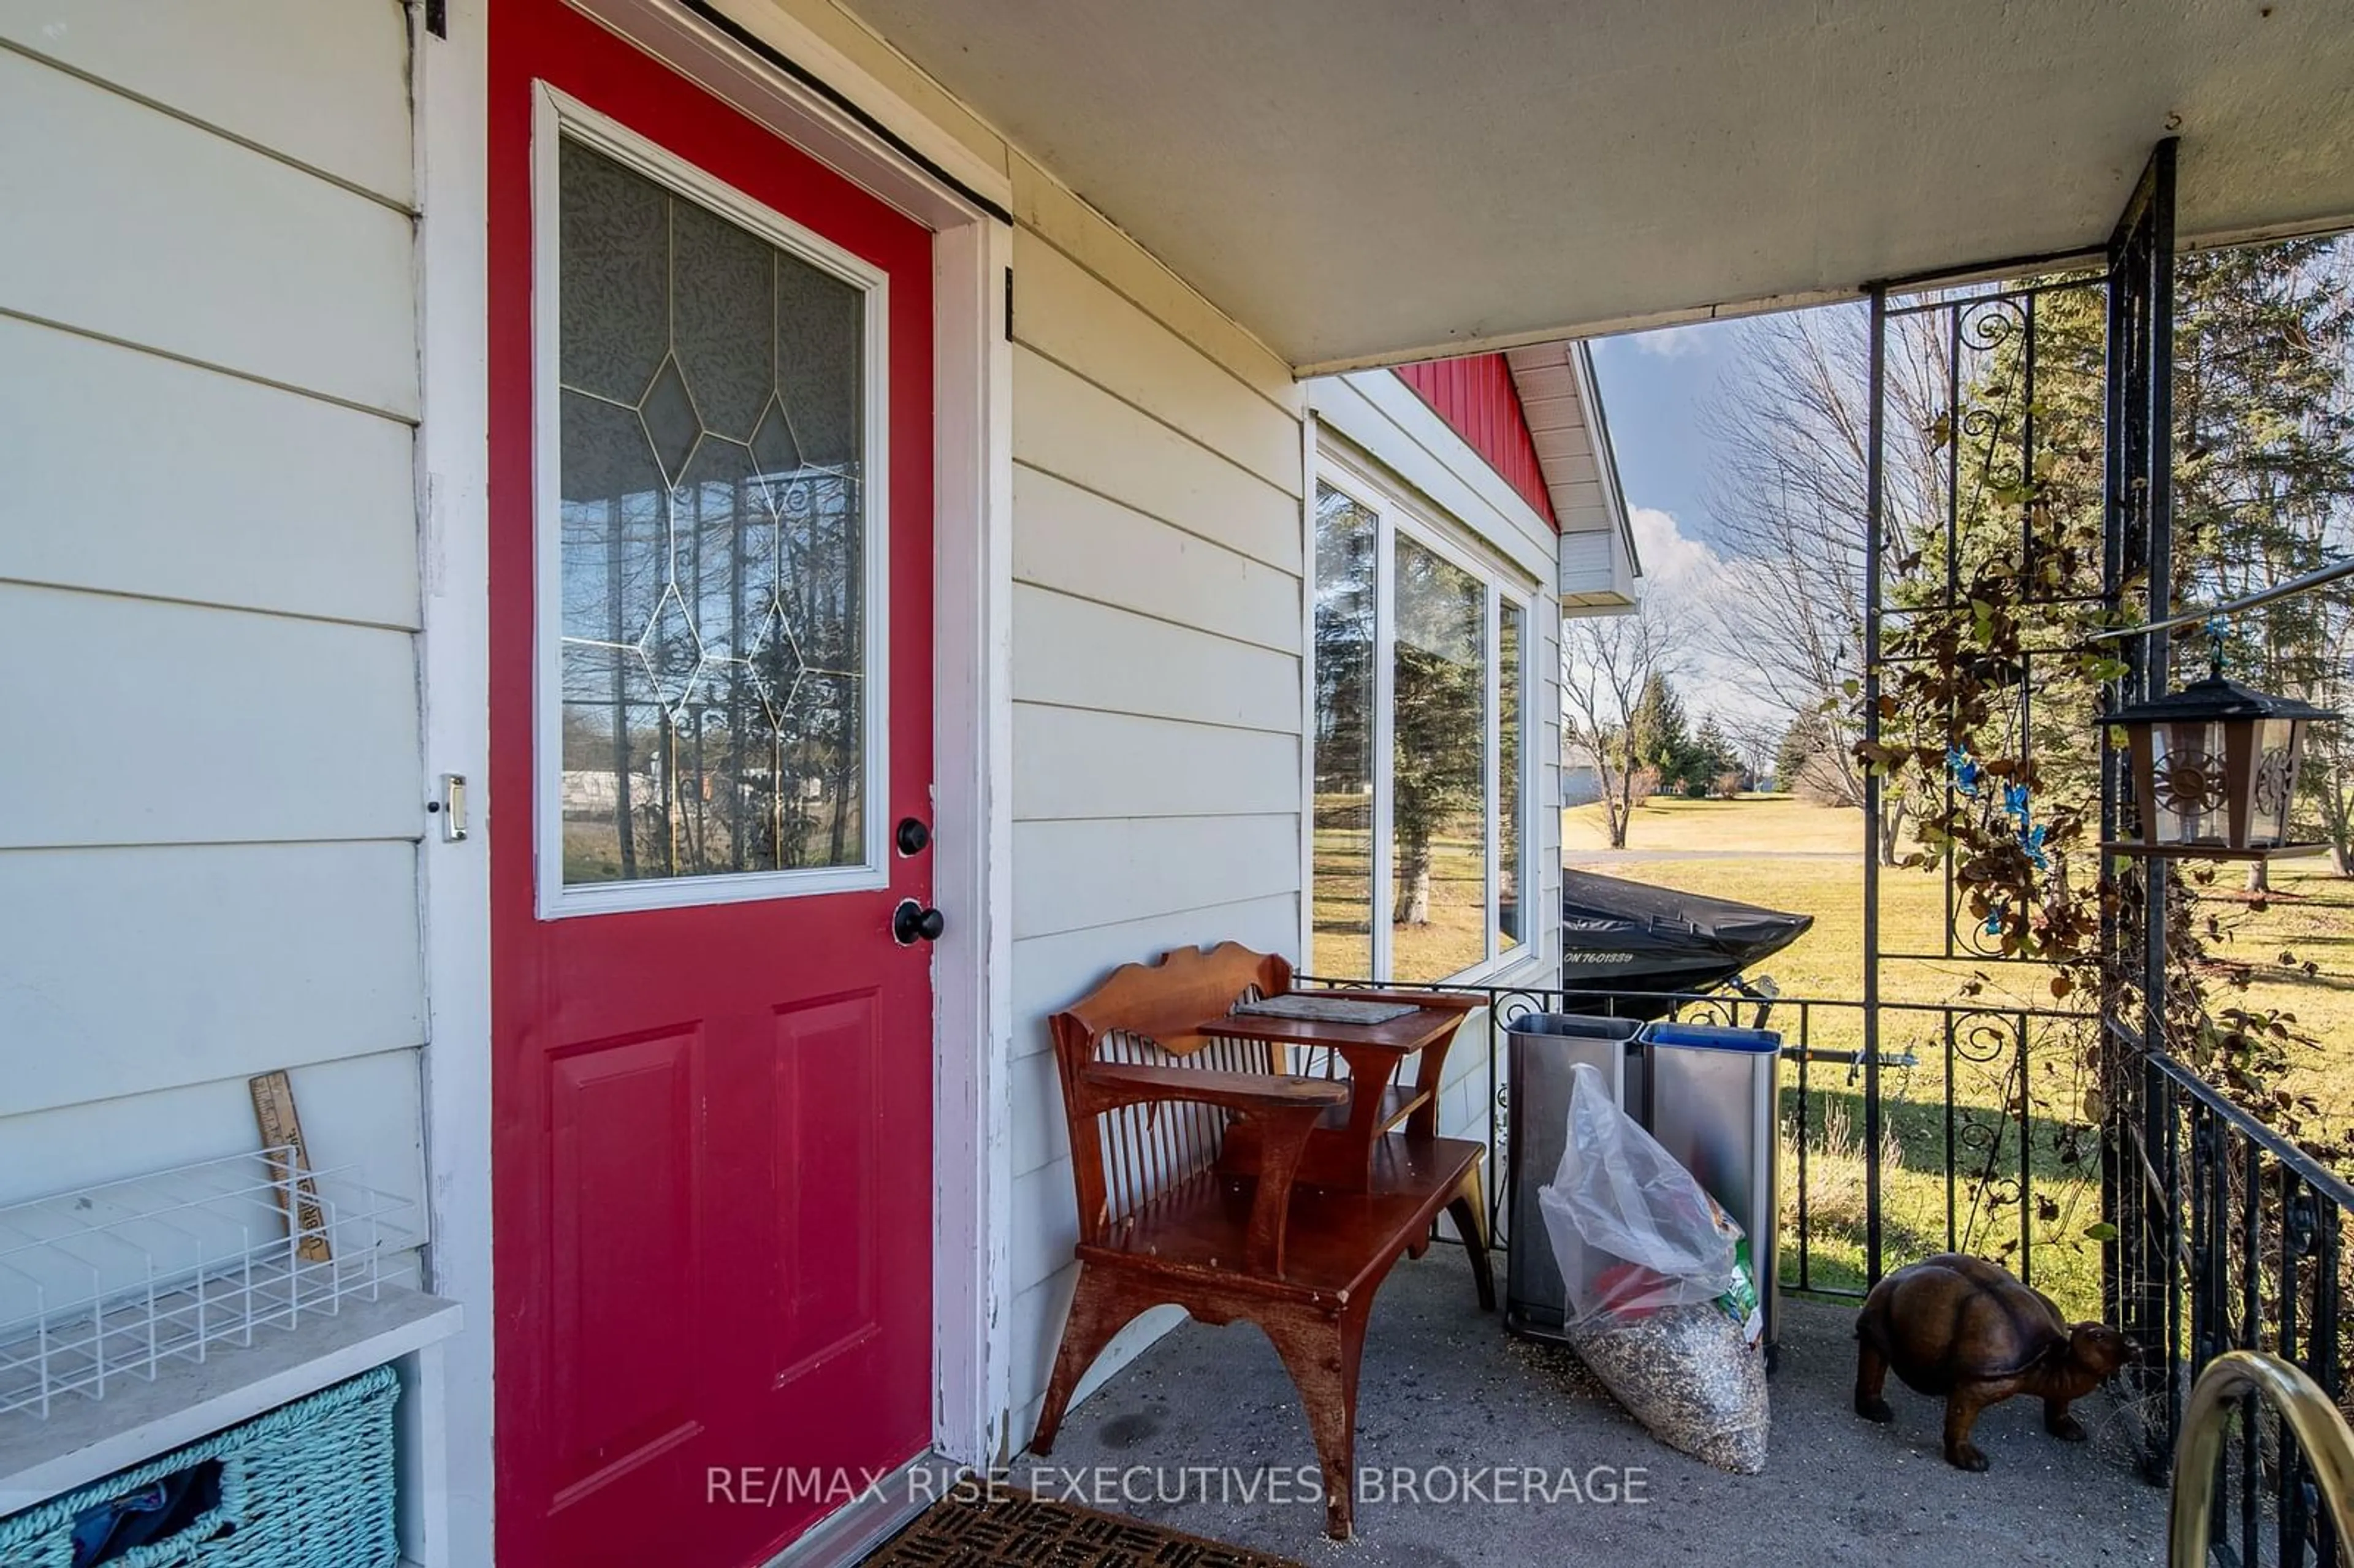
(1968, 1330)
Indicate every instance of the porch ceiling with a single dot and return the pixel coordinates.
(1368, 180)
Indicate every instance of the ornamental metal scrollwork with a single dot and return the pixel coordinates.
(2273, 781)
(2191, 783)
(1991, 323)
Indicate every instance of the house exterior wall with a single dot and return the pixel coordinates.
(209, 560)
(1562, 409)
(1157, 680)
(1370, 422)
(1475, 398)
(1158, 619)
(208, 588)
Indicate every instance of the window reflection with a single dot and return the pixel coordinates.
(1438, 820)
(1510, 629)
(1341, 940)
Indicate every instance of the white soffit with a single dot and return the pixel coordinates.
(1556, 388)
(1369, 181)
(1562, 405)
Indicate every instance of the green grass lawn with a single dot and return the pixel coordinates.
(2310, 914)
(1451, 940)
(1777, 822)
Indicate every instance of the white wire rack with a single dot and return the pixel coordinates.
(109, 1283)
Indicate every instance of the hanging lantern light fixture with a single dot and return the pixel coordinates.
(2214, 769)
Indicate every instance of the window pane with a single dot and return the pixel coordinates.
(1510, 623)
(1342, 939)
(1437, 778)
(713, 541)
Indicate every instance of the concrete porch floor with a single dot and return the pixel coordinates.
(1443, 1386)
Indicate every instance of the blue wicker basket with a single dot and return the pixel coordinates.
(309, 1485)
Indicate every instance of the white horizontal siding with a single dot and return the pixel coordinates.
(1078, 763)
(360, 1112)
(175, 723)
(209, 549)
(1065, 425)
(1045, 1221)
(1079, 653)
(131, 224)
(1048, 210)
(1157, 643)
(1589, 568)
(317, 81)
(131, 970)
(1079, 543)
(1073, 318)
(1103, 871)
(145, 475)
(1042, 1134)
(1052, 973)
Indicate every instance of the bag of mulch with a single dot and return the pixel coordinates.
(1662, 1307)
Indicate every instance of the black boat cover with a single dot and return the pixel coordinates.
(1623, 937)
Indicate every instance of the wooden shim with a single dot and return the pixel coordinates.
(282, 1127)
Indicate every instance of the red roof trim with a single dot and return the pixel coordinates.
(1476, 396)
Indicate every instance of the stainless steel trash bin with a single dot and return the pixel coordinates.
(1706, 1093)
(1541, 1050)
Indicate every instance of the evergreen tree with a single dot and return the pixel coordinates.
(1799, 743)
(1716, 751)
(2263, 447)
(1662, 739)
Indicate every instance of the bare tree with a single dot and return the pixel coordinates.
(1789, 497)
(1755, 741)
(1607, 660)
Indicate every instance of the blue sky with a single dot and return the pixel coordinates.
(1653, 385)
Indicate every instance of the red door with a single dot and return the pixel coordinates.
(711, 710)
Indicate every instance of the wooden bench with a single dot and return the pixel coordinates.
(1170, 1213)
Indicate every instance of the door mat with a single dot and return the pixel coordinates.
(1009, 1528)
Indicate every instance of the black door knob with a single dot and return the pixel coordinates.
(912, 923)
(913, 836)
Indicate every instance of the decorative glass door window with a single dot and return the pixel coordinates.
(716, 549)
(1420, 795)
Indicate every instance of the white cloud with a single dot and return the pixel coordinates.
(1698, 588)
(1672, 559)
(1671, 343)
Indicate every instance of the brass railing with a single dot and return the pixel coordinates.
(2239, 1378)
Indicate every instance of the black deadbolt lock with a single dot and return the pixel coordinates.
(912, 923)
(913, 837)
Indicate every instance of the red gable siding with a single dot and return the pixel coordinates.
(1475, 398)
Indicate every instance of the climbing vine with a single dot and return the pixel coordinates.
(1994, 669)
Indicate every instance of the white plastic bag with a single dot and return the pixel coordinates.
(1632, 1230)
(1660, 1303)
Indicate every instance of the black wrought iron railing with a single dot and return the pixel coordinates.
(1970, 1136)
(2229, 1237)
(2161, 1206)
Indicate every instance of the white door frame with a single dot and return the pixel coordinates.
(859, 127)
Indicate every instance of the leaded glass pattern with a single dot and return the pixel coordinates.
(712, 541)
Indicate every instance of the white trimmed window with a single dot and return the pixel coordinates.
(1420, 787)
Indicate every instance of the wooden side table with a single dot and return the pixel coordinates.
(1340, 1151)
